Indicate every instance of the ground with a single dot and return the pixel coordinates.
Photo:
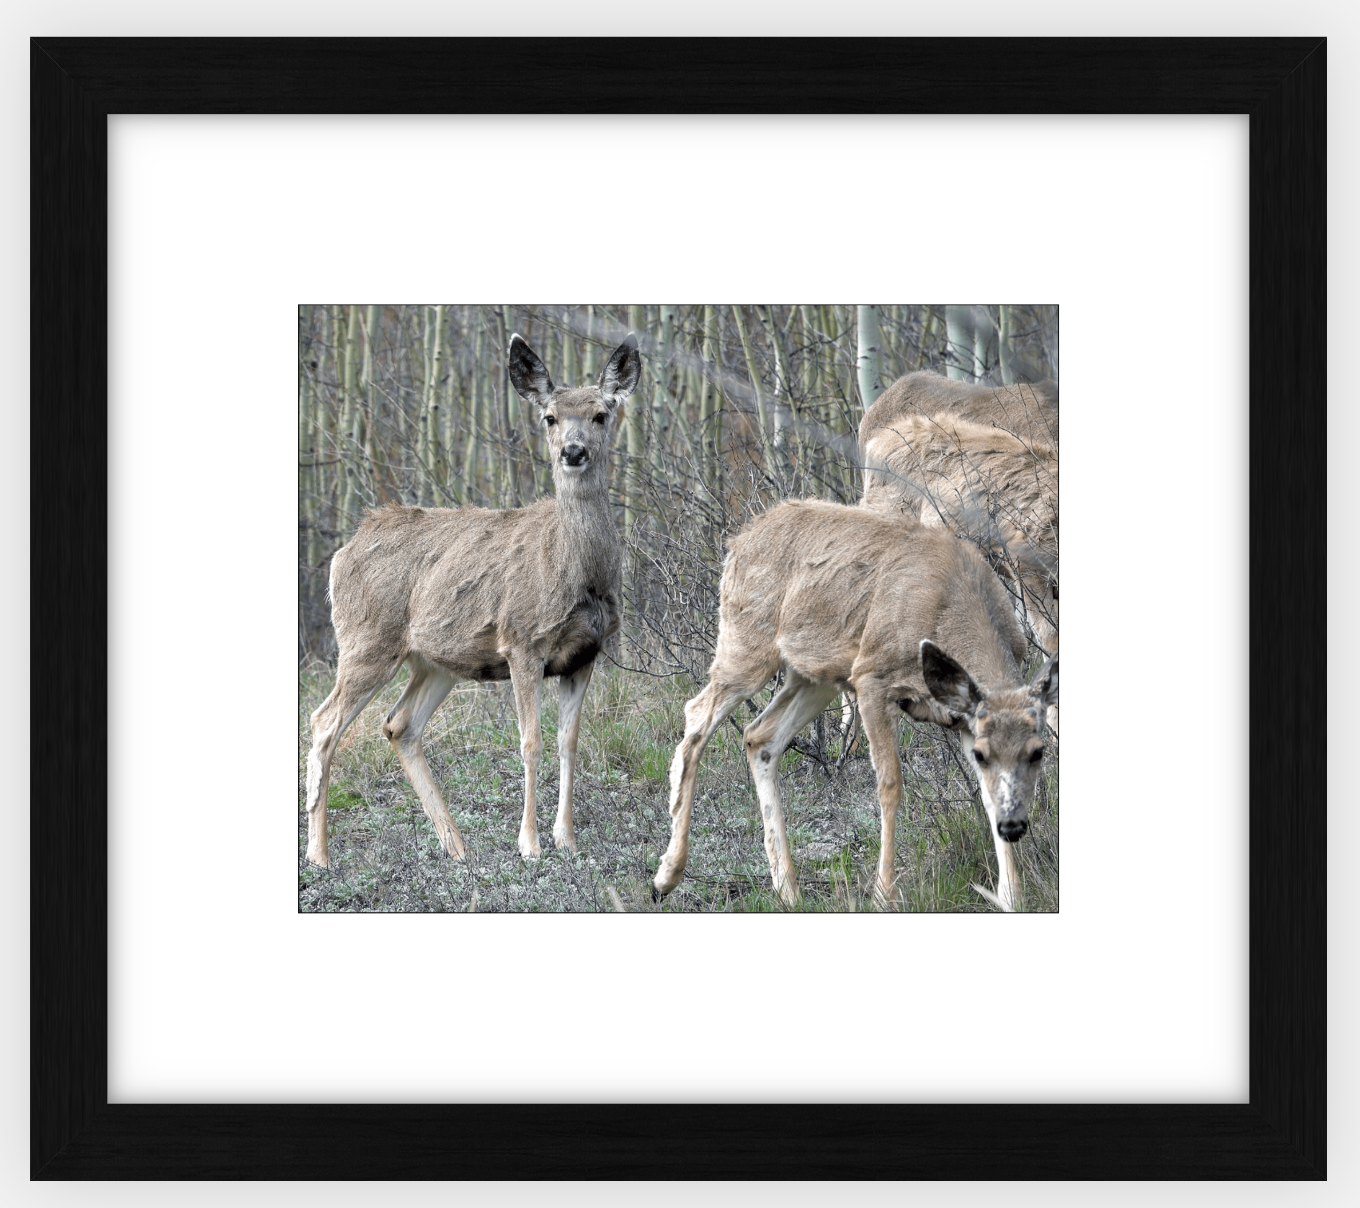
(385, 856)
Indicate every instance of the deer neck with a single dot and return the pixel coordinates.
(585, 518)
(968, 627)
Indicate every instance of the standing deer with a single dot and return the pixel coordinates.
(840, 597)
(472, 593)
(981, 482)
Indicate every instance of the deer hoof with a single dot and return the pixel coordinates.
(564, 842)
(529, 847)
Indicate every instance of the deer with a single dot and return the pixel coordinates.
(480, 594)
(981, 482)
(1029, 411)
(910, 618)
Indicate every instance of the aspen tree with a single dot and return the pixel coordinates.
(662, 408)
(869, 356)
(710, 396)
(780, 408)
(307, 450)
(753, 372)
(982, 341)
(929, 326)
(447, 437)
(371, 327)
(693, 377)
(589, 363)
(570, 374)
(347, 329)
(959, 342)
(510, 410)
(324, 418)
(634, 409)
(433, 455)
(1003, 346)
(476, 408)
(1049, 337)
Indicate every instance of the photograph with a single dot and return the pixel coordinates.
(794, 570)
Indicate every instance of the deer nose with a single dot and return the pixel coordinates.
(1012, 829)
(575, 455)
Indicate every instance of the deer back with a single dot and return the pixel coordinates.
(951, 471)
(460, 586)
(1029, 411)
(841, 591)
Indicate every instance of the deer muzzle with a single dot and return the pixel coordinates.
(1012, 829)
(575, 455)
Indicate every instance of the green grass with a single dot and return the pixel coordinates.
(385, 857)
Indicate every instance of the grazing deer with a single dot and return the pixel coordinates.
(1027, 411)
(980, 482)
(476, 594)
(843, 597)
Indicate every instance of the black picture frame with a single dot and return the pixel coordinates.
(1280, 1134)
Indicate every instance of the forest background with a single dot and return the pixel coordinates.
(738, 407)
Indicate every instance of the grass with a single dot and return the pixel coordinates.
(385, 857)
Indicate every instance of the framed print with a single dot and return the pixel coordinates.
(1280, 84)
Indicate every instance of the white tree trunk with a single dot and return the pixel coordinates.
(1051, 339)
(661, 411)
(982, 340)
(1003, 346)
(868, 362)
(958, 329)
(783, 388)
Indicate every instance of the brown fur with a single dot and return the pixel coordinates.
(982, 483)
(472, 593)
(462, 587)
(841, 597)
(1027, 411)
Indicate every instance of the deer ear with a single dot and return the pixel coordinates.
(619, 377)
(528, 374)
(1044, 686)
(949, 683)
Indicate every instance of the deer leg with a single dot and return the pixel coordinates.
(878, 716)
(526, 677)
(796, 703)
(404, 725)
(354, 688)
(704, 714)
(571, 691)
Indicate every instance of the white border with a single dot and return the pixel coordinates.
(221, 992)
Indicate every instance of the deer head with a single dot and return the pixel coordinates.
(1002, 731)
(578, 421)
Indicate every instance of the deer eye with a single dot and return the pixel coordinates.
(1036, 755)
(550, 420)
(980, 758)
(600, 416)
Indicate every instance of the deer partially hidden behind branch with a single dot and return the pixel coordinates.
(475, 594)
(909, 617)
(983, 483)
